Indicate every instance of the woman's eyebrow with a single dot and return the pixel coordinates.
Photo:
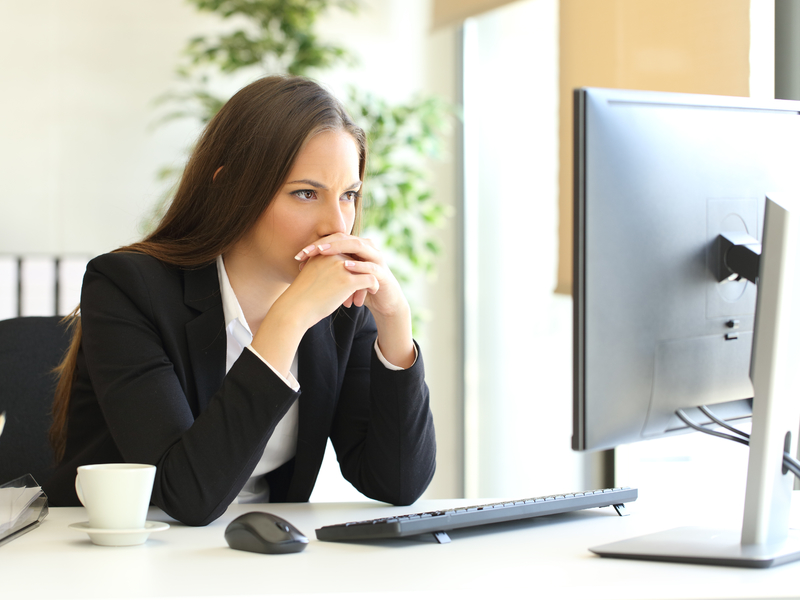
(310, 182)
(317, 184)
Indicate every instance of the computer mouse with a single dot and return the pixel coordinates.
(265, 533)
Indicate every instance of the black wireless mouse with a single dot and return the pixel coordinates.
(265, 533)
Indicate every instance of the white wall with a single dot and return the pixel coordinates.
(79, 150)
(78, 155)
(519, 344)
(762, 49)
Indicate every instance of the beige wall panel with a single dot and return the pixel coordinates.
(694, 46)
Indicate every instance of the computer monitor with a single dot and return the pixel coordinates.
(660, 322)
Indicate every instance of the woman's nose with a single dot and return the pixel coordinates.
(333, 220)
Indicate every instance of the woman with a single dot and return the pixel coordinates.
(250, 326)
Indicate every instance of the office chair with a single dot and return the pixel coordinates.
(30, 347)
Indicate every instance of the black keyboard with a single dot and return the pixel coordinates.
(438, 522)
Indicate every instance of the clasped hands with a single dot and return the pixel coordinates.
(368, 280)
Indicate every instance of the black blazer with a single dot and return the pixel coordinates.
(151, 388)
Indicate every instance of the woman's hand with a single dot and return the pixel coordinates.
(360, 256)
(324, 284)
(374, 285)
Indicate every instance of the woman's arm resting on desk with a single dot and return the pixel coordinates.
(132, 350)
(383, 429)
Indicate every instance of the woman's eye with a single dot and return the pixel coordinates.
(352, 196)
(305, 194)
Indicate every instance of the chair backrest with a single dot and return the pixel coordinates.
(30, 347)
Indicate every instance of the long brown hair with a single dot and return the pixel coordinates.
(256, 137)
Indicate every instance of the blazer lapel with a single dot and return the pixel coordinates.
(317, 374)
(205, 334)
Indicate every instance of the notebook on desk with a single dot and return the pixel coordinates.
(438, 522)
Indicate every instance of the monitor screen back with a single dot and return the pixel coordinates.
(658, 176)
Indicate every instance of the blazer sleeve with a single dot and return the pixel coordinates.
(132, 336)
(383, 430)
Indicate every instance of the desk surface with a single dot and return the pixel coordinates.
(528, 558)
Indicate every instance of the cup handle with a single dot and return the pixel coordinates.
(78, 489)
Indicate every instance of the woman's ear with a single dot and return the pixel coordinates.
(214, 178)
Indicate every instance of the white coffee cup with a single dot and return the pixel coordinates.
(116, 495)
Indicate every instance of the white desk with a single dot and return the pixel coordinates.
(544, 557)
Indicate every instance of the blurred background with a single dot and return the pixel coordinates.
(84, 144)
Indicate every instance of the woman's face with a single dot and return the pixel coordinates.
(318, 199)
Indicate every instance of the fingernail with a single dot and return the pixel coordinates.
(304, 252)
(323, 247)
(349, 263)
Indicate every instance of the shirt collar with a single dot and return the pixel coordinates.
(235, 323)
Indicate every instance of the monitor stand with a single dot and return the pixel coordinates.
(704, 546)
(765, 539)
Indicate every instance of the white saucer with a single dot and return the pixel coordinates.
(120, 537)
